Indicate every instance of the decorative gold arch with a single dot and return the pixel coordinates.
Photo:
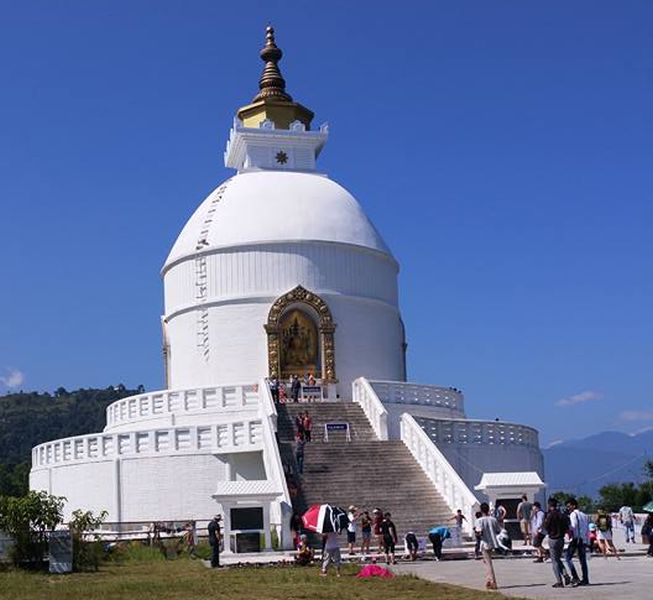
(326, 327)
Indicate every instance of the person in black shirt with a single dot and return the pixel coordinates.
(295, 388)
(389, 533)
(299, 453)
(214, 540)
(556, 524)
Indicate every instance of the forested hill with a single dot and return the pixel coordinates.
(27, 419)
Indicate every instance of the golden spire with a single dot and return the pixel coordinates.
(271, 83)
(272, 102)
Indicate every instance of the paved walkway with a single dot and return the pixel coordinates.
(630, 578)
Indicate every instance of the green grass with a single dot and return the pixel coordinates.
(191, 580)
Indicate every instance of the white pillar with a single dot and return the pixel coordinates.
(266, 526)
(226, 520)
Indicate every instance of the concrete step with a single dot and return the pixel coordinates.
(366, 472)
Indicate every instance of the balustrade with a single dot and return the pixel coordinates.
(240, 436)
(475, 432)
(445, 478)
(168, 402)
(425, 395)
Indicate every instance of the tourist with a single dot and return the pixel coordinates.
(215, 538)
(274, 389)
(352, 515)
(437, 535)
(283, 396)
(296, 527)
(505, 542)
(299, 425)
(307, 378)
(627, 519)
(647, 534)
(477, 536)
(366, 533)
(500, 512)
(389, 534)
(411, 544)
(377, 519)
(459, 517)
(524, 509)
(307, 423)
(604, 534)
(299, 453)
(304, 555)
(579, 534)
(295, 388)
(556, 524)
(537, 531)
(489, 528)
(330, 553)
(593, 540)
(190, 538)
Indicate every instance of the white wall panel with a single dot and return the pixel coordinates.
(272, 269)
(368, 343)
(171, 487)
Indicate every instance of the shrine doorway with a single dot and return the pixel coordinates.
(300, 337)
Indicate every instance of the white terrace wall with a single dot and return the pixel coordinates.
(474, 447)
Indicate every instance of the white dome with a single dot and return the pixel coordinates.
(276, 206)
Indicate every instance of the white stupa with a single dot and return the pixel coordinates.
(278, 272)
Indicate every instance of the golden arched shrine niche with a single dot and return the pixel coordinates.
(300, 336)
(299, 352)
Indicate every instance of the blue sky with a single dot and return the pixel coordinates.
(502, 148)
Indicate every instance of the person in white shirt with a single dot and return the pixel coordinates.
(537, 532)
(352, 515)
(627, 519)
(331, 553)
(579, 533)
(488, 528)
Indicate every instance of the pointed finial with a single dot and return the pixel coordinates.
(271, 84)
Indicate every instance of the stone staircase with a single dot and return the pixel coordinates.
(365, 472)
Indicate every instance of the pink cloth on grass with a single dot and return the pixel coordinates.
(374, 571)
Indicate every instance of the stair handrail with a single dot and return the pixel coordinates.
(364, 395)
(274, 466)
(440, 471)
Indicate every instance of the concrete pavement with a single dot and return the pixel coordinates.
(630, 578)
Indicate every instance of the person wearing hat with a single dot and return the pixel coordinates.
(214, 540)
(352, 515)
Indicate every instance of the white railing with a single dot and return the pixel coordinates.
(240, 436)
(153, 405)
(447, 481)
(476, 432)
(268, 412)
(273, 464)
(400, 392)
(364, 394)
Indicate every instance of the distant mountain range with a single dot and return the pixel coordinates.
(583, 466)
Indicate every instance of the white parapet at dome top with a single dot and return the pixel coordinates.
(261, 207)
(267, 147)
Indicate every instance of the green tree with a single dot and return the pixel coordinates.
(27, 520)
(615, 495)
(585, 503)
(87, 543)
